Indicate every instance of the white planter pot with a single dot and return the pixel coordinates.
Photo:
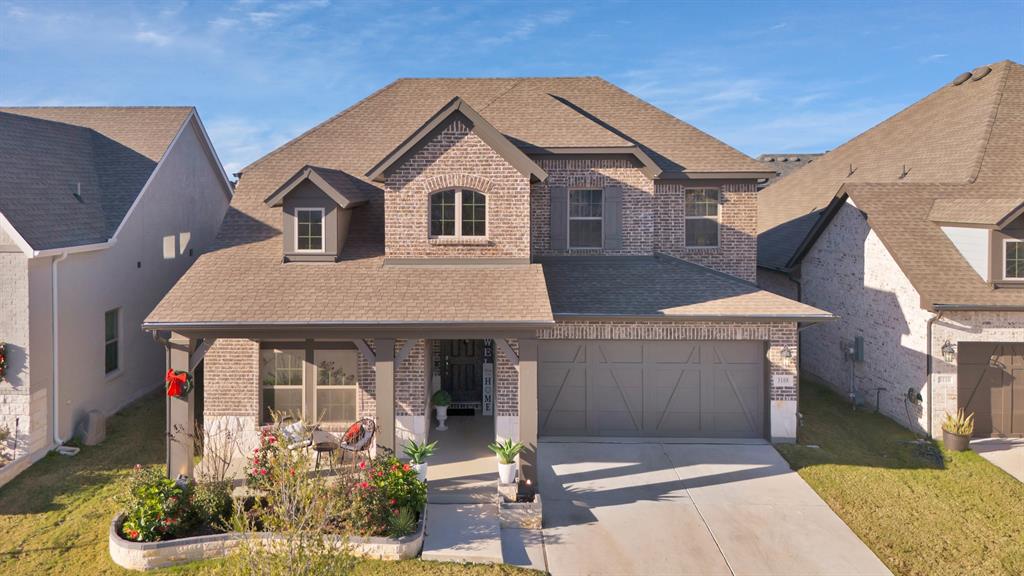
(421, 471)
(507, 473)
(442, 415)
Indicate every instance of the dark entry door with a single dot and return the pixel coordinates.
(990, 383)
(462, 370)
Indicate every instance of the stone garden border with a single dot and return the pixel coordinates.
(152, 555)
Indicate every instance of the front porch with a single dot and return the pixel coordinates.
(332, 379)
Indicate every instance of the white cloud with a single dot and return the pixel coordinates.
(263, 18)
(239, 141)
(154, 38)
(222, 24)
(933, 58)
(522, 29)
(18, 12)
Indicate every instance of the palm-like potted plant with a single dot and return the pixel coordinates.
(441, 400)
(418, 454)
(957, 430)
(506, 452)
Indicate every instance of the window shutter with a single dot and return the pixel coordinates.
(559, 217)
(612, 217)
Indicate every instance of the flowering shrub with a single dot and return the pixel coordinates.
(371, 499)
(399, 482)
(155, 507)
(258, 474)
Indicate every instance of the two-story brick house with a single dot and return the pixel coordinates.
(557, 254)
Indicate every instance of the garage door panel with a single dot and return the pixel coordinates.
(990, 383)
(653, 388)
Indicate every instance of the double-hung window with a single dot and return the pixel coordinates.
(112, 340)
(281, 378)
(702, 217)
(315, 382)
(586, 218)
(458, 213)
(335, 385)
(1013, 259)
(309, 229)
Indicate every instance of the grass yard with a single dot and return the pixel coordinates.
(921, 510)
(55, 516)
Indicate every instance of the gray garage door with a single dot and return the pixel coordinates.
(990, 383)
(655, 388)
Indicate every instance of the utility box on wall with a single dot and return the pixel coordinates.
(858, 349)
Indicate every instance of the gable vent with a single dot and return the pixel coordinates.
(980, 73)
(961, 78)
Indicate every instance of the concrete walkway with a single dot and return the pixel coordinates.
(684, 508)
(1006, 453)
(462, 491)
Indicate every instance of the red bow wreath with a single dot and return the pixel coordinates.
(3, 361)
(179, 383)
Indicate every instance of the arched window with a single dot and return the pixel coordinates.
(458, 212)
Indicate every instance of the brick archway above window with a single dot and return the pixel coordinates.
(456, 180)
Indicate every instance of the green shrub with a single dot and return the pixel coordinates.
(211, 503)
(155, 507)
(362, 507)
(402, 524)
(259, 472)
(399, 483)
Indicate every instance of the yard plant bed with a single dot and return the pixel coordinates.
(55, 516)
(921, 509)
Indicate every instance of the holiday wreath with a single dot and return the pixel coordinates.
(3, 361)
(178, 383)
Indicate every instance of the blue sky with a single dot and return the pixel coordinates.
(762, 76)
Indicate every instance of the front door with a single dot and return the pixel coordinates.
(462, 371)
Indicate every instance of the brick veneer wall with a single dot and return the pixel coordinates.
(736, 253)
(506, 381)
(637, 202)
(366, 393)
(231, 378)
(851, 274)
(958, 327)
(15, 403)
(457, 157)
(411, 381)
(779, 335)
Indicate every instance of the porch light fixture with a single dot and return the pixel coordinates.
(949, 352)
(786, 352)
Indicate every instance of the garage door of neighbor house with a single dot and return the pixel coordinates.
(651, 388)
(990, 383)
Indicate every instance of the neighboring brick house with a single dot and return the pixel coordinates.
(912, 234)
(101, 210)
(557, 254)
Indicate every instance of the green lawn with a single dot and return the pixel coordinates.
(922, 510)
(55, 516)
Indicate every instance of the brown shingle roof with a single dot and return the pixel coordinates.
(969, 210)
(951, 136)
(107, 154)
(662, 287)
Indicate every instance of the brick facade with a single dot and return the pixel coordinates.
(15, 404)
(411, 381)
(231, 378)
(736, 253)
(637, 202)
(506, 382)
(457, 157)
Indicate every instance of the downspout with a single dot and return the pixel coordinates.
(55, 335)
(928, 369)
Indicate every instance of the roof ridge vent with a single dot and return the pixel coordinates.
(961, 78)
(980, 73)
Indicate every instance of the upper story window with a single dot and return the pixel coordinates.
(586, 218)
(702, 217)
(309, 229)
(1013, 259)
(458, 212)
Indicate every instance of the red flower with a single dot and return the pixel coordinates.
(406, 468)
(393, 501)
(364, 485)
(362, 464)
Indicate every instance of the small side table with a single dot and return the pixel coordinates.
(325, 442)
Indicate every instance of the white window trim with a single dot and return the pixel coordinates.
(717, 218)
(263, 418)
(323, 230)
(570, 218)
(458, 215)
(120, 343)
(1006, 243)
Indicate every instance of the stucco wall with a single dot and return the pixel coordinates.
(850, 273)
(457, 157)
(180, 212)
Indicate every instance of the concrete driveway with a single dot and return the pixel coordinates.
(1006, 453)
(635, 507)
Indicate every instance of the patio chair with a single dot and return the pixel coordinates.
(362, 441)
(297, 435)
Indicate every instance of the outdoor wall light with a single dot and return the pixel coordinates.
(786, 352)
(949, 352)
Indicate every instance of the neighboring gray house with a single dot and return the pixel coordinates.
(785, 164)
(912, 233)
(101, 211)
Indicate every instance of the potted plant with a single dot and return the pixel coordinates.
(507, 452)
(957, 430)
(441, 400)
(418, 454)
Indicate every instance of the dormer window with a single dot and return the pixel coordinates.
(309, 229)
(1013, 259)
(458, 213)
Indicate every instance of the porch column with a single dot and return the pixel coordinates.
(528, 409)
(181, 423)
(385, 367)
